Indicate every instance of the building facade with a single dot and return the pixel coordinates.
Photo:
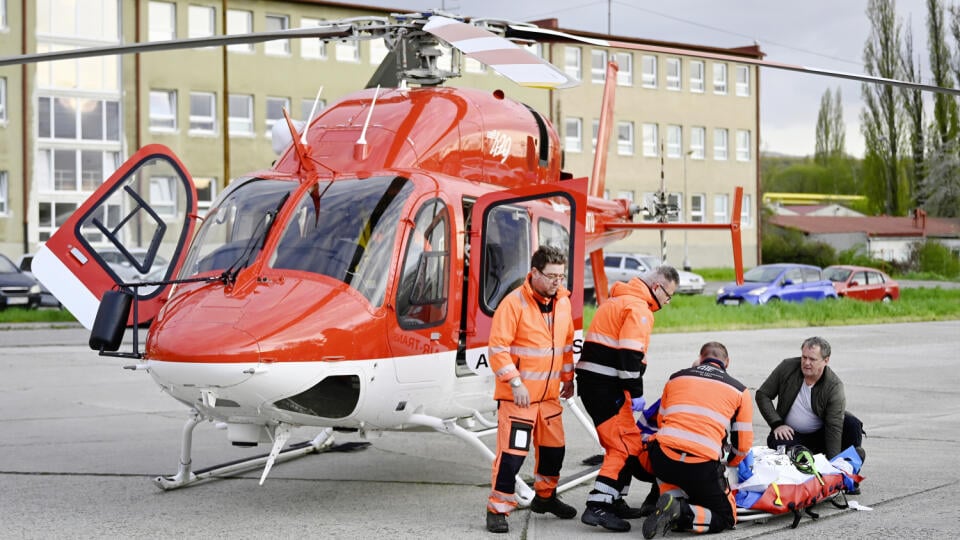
(65, 126)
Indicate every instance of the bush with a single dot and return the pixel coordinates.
(785, 245)
(935, 258)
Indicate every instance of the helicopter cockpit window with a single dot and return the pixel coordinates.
(506, 257)
(233, 233)
(346, 230)
(422, 293)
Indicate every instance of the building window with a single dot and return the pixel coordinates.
(720, 144)
(206, 191)
(595, 133)
(598, 66)
(163, 110)
(348, 51)
(673, 74)
(719, 78)
(696, 76)
(74, 170)
(720, 203)
(51, 216)
(89, 20)
(472, 66)
(200, 21)
(239, 22)
(277, 47)
(3, 13)
(163, 195)
(745, 212)
(625, 63)
(378, 51)
(696, 207)
(650, 138)
(312, 47)
(743, 80)
(275, 107)
(306, 105)
(573, 135)
(241, 115)
(571, 62)
(698, 137)
(203, 113)
(743, 145)
(75, 118)
(4, 194)
(163, 21)
(625, 138)
(649, 74)
(3, 98)
(674, 141)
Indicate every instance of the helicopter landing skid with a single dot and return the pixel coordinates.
(185, 476)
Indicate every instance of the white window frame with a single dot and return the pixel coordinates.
(278, 47)
(746, 214)
(719, 78)
(4, 192)
(625, 73)
(721, 208)
(625, 138)
(674, 141)
(203, 182)
(743, 145)
(312, 48)
(347, 51)
(594, 133)
(573, 134)
(203, 124)
(239, 21)
(697, 71)
(674, 74)
(651, 136)
(272, 102)
(598, 73)
(163, 198)
(163, 121)
(3, 99)
(721, 144)
(648, 74)
(240, 125)
(162, 21)
(3, 13)
(573, 62)
(697, 207)
(698, 141)
(743, 81)
(79, 176)
(201, 21)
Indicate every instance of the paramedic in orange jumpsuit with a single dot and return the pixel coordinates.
(531, 355)
(698, 406)
(610, 380)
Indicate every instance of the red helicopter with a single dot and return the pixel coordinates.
(352, 284)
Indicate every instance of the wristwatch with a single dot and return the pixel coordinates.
(516, 382)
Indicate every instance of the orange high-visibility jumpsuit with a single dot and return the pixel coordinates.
(537, 346)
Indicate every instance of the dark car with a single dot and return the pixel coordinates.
(775, 282)
(16, 288)
(862, 283)
(47, 299)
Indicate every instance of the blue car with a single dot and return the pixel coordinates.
(775, 282)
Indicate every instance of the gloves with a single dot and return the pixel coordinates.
(639, 403)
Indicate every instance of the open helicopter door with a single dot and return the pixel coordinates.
(132, 231)
(504, 229)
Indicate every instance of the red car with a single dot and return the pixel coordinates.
(862, 283)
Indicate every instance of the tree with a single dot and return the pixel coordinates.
(882, 117)
(831, 136)
(941, 188)
(915, 124)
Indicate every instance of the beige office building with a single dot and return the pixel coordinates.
(65, 126)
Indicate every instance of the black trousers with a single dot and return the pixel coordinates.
(705, 483)
(816, 442)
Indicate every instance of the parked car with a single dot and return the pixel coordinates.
(126, 271)
(625, 266)
(774, 282)
(862, 283)
(16, 288)
(47, 299)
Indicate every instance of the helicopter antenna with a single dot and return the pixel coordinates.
(313, 110)
(360, 147)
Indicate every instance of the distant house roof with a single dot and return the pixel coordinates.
(814, 210)
(871, 225)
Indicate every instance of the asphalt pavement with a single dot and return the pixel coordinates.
(81, 439)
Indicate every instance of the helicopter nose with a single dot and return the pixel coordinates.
(204, 342)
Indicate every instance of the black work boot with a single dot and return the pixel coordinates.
(650, 502)
(554, 505)
(625, 511)
(604, 516)
(664, 517)
(497, 523)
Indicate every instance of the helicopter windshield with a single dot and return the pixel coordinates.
(233, 232)
(346, 230)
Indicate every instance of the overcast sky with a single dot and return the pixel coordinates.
(827, 34)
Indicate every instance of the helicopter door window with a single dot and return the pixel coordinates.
(423, 291)
(507, 253)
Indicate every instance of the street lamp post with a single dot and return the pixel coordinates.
(686, 214)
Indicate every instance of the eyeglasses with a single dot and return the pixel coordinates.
(667, 295)
(553, 277)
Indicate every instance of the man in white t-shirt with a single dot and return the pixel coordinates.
(811, 405)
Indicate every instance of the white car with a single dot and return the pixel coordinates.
(624, 266)
(126, 271)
